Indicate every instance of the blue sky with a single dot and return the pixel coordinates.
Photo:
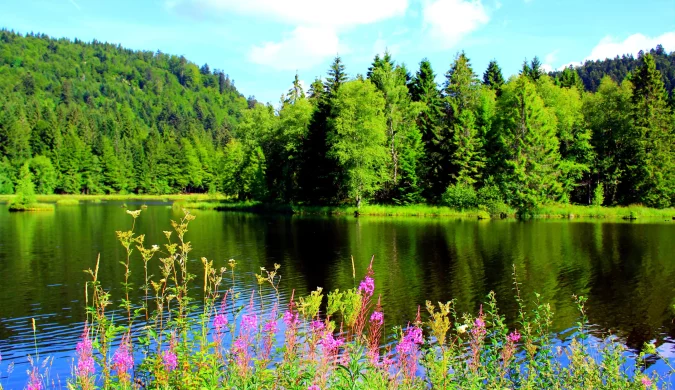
(261, 43)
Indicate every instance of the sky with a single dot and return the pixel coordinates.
(261, 44)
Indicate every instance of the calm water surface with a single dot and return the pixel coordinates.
(627, 270)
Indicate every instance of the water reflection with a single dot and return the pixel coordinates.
(625, 269)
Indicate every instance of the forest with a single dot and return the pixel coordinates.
(94, 118)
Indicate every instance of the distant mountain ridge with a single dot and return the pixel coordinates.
(591, 72)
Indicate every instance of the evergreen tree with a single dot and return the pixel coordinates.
(296, 92)
(462, 92)
(651, 173)
(425, 91)
(25, 189)
(44, 174)
(493, 76)
(569, 78)
(529, 146)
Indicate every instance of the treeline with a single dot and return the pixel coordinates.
(389, 136)
(592, 72)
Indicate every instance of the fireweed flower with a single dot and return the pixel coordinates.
(313, 387)
(290, 319)
(34, 383)
(122, 360)
(220, 322)
(249, 322)
(330, 344)
(367, 286)
(317, 325)
(169, 360)
(377, 317)
(85, 356)
(646, 382)
(514, 336)
(270, 326)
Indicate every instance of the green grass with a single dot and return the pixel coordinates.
(68, 202)
(56, 198)
(618, 212)
(31, 207)
(370, 210)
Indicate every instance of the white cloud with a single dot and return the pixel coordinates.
(610, 47)
(549, 59)
(449, 21)
(301, 12)
(303, 48)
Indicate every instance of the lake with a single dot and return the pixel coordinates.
(626, 269)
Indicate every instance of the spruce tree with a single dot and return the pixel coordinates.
(529, 147)
(425, 91)
(462, 91)
(651, 173)
(493, 76)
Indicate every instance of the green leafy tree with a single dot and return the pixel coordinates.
(608, 115)
(6, 182)
(576, 151)
(403, 136)
(44, 174)
(358, 140)
(25, 189)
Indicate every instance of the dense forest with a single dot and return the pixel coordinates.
(80, 117)
(592, 72)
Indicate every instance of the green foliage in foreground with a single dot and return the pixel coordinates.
(225, 339)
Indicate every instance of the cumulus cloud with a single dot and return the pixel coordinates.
(448, 21)
(303, 48)
(301, 12)
(610, 47)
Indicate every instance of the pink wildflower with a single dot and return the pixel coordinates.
(170, 360)
(290, 319)
(514, 336)
(317, 325)
(34, 383)
(646, 382)
(249, 322)
(270, 326)
(122, 360)
(330, 343)
(377, 317)
(313, 387)
(220, 322)
(367, 286)
(479, 322)
(85, 356)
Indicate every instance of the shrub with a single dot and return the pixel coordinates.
(460, 196)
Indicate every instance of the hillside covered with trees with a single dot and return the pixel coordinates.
(96, 118)
(592, 72)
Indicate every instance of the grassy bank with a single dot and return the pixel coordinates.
(618, 212)
(370, 210)
(61, 198)
(31, 207)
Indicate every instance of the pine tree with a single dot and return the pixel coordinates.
(462, 92)
(336, 76)
(530, 147)
(651, 173)
(493, 76)
(569, 78)
(425, 91)
(296, 92)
